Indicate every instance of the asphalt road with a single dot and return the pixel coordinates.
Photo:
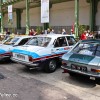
(18, 83)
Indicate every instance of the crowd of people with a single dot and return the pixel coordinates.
(32, 32)
(50, 31)
(85, 35)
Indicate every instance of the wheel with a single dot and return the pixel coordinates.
(50, 66)
(27, 67)
(71, 74)
(98, 81)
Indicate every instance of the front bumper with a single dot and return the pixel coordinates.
(30, 64)
(89, 74)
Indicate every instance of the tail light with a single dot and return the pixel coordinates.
(95, 70)
(11, 53)
(30, 58)
(65, 71)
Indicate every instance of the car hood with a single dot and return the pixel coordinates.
(28, 50)
(82, 59)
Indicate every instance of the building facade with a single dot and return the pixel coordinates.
(63, 14)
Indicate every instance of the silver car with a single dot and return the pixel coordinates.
(84, 59)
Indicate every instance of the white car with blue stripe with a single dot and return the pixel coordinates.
(43, 51)
(9, 44)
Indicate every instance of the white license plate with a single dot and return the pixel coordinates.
(92, 78)
(20, 56)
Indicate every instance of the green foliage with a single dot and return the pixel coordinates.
(39, 29)
(82, 28)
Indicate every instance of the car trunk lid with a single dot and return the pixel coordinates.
(85, 59)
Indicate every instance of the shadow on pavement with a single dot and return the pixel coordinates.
(1, 76)
(30, 71)
(81, 81)
(8, 61)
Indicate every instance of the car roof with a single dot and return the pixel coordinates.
(52, 35)
(91, 40)
(23, 36)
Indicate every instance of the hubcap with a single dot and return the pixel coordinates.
(52, 65)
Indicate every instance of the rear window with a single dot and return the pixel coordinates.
(87, 49)
(39, 41)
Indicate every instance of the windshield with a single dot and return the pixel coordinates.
(11, 41)
(92, 48)
(39, 41)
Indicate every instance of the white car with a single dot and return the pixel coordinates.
(43, 51)
(9, 44)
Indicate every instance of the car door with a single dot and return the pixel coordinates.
(60, 46)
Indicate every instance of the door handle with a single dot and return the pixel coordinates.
(57, 49)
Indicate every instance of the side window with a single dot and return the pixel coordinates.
(71, 40)
(23, 41)
(60, 42)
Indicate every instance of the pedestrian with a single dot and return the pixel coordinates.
(72, 33)
(51, 31)
(48, 31)
(97, 35)
(83, 36)
(90, 36)
(42, 32)
(30, 32)
(34, 32)
(63, 32)
(7, 34)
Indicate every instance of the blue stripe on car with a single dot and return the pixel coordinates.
(33, 54)
(2, 51)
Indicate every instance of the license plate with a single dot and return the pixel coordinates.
(20, 56)
(92, 78)
(81, 68)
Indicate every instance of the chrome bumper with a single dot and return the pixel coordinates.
(82, 73)
(3, 57)
(31, 64)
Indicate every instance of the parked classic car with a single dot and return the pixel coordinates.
(43, 51)
(84, 59)
(10, 43)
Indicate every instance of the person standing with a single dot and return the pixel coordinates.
(48, 31)
(90, 36)
(7, 34)
(30, 32)
(63, 32)
(72, 33)
(83, 36)
(51, 31)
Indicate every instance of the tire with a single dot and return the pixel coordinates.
(71, 74)
(98, 81)
(27, 67)
(50, 66)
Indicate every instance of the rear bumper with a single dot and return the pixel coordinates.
(4, 57)
(82, 73)
(30, 64)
